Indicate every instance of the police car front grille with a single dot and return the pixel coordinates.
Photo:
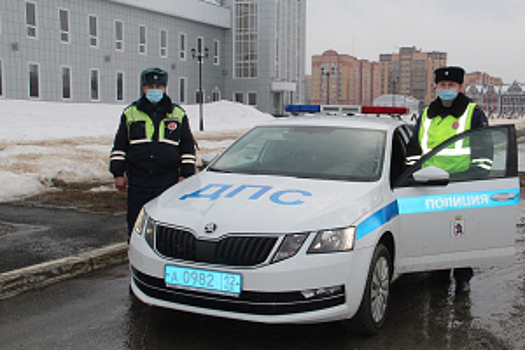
(234, 250)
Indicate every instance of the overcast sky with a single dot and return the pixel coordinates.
(479, 35)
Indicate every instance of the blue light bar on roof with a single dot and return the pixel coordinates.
(303, 108)
(346, 109)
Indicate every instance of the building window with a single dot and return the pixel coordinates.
(93, 31)
(31, 19)
(94, 84)
(245, 39)
(1, 78)
(63, 19)
(120, 86)
(216, 51)
(34, 80)
(182, 90)
(163, 43)
(142, 40)
(182, 46)
(238, 97)
(215, 95)
(66, 83)
(252, 98)
(119, 36)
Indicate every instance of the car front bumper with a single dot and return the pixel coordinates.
(302, 289)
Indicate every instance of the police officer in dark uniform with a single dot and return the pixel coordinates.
(448, 115)
(153, 147)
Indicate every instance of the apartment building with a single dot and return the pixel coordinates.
(481, 78)
(410, 72)
(251, 51)
(343, 79)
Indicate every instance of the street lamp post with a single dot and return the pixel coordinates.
(394, 81)
(327, 72)
(200, 56)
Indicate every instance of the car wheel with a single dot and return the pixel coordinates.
(372, 313)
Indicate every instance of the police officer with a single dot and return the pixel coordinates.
(448, 115)
(153, 147)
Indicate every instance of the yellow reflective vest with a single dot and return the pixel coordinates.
(134, 115)
(433, 131)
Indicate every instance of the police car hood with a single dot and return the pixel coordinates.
(233, 203)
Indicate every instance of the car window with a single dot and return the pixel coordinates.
(481, 154)
(397, 160)
(307, 151)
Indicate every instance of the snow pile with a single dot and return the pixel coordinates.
(42, 143)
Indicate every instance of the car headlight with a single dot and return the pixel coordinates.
(140, 222)
(336, 240)
(149, 232)
(144, 225)
(290, 246)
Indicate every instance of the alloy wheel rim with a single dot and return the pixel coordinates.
(379, 289)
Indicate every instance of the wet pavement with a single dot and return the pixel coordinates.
(34, 235)
(41, 246)
(96, 311)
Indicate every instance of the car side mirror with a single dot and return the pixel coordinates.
(431, 176)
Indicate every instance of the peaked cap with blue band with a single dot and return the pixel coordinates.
(154, 75)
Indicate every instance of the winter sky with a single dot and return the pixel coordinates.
(479, 35)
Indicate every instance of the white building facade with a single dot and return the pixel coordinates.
(502, 100)
(93, 51)
(512, 100)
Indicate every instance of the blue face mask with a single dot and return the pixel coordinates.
(448, 95)
(154, 95)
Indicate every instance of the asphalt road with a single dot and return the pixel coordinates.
(33, 235)
(96, 311)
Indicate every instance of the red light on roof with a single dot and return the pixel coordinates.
(383, 110)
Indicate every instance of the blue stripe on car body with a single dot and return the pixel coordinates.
(427, 204)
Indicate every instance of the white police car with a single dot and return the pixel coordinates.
(309, 219)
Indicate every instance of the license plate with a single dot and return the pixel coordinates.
(208, 280)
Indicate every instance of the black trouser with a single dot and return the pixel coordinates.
(140, 193)
(463, 274)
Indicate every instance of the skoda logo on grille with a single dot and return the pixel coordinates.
(210, 228)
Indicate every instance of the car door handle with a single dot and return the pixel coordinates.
(502, 197)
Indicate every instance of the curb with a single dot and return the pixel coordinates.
(19, 281)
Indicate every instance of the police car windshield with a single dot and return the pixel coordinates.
(307, 151)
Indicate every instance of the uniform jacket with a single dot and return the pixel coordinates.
(138, 156)
(457, 109)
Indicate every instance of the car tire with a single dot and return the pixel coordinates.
(373, 310)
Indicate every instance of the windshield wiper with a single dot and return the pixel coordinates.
(220, 170)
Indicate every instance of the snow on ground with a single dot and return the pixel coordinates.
(42, 143)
